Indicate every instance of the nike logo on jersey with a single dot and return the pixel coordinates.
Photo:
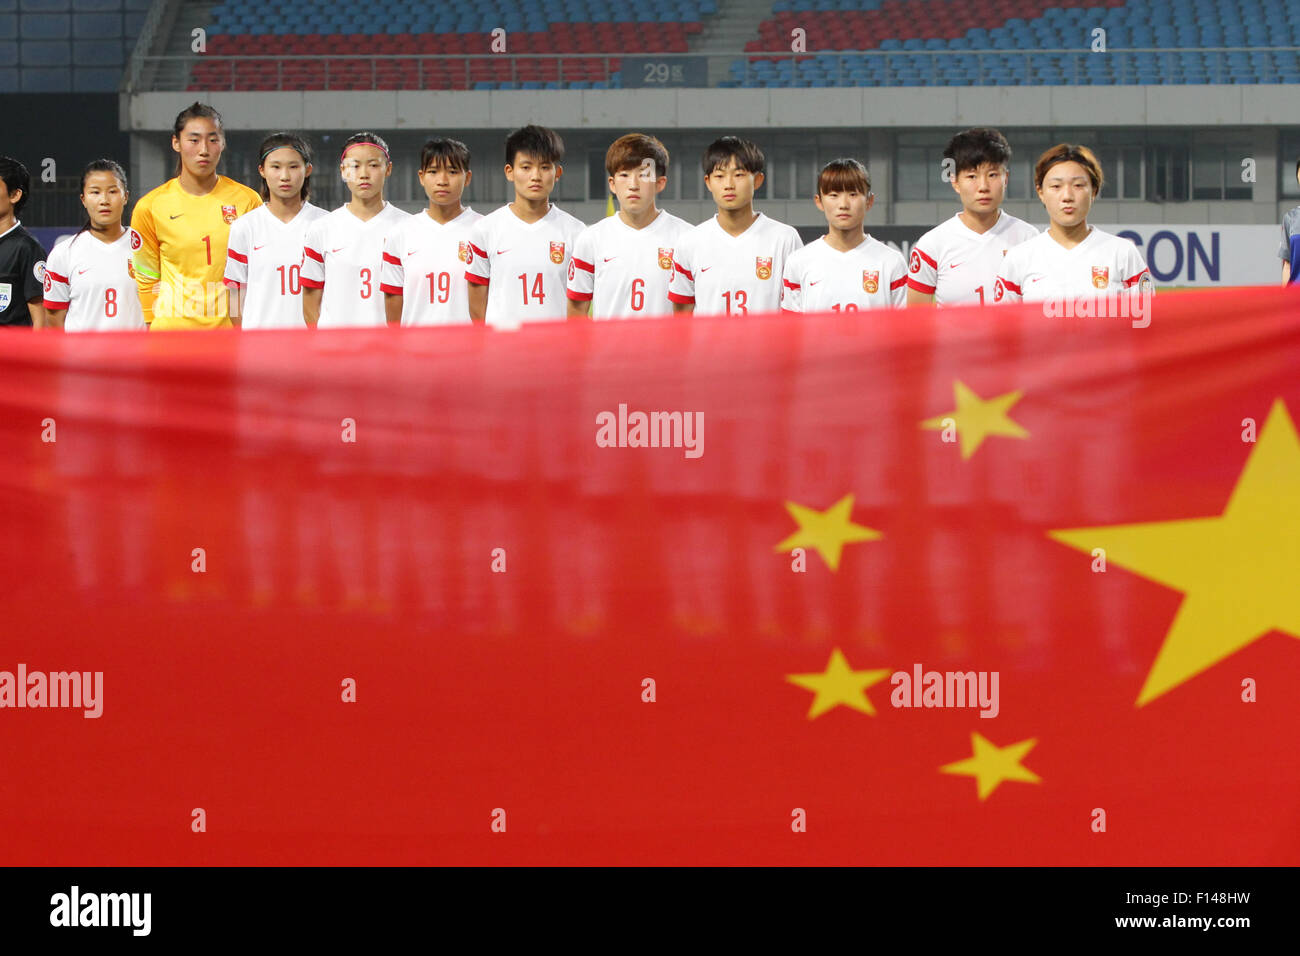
(954, 265)
(705, 268)
(83, 271)
(502, 252)
(177, 216)
(610, 258)
(262, 246)
(339, 249)
(814, 283)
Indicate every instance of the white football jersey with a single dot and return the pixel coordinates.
(957, 265)
(424, 263)
(94, 281)
(264, 257)
(724, 274)
(624, 272)
(524, 265)
(344, 256)
(819, 278)
(1041, 269)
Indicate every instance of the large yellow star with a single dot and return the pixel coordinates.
(1239, 572)
(977, 418)
(827, 531)
(839, 684)
(992, 764)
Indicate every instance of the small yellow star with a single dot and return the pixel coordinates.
(992, 764)
(977, 418)
(827, 531)
(839, 684)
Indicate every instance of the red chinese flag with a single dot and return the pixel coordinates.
(935, 587)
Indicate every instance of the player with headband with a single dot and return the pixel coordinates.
(343, 255)
(264, 256)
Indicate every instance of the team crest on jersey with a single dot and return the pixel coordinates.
(229, 214)
(557, 252)
(1100, 276)
(870, 280)
(6, 294)
(999, 290)
(135, 240)
(665, 259)
(763, 267)
(464, 253)
(916, 261)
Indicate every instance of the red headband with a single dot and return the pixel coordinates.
(365, 143)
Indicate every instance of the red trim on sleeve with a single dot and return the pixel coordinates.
(785, 311)
(791, 285)
(928, 261)
(231, 283)
(1010, 286)
(310, 283)
(1129, 282)
(578, 296)
(478, 251)
(54, 275)
(586, 266)
(237, 256)
(475, 279)
(898, 283)
(678, 267)
(390, 289)
(55, 306)
(309, 251)
(393, 259)
(681, 299)
(920, 286)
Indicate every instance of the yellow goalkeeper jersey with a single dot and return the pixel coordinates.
(181, 257)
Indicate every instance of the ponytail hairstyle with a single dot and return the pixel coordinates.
(102, 166)
(195, 110)
(279, 141)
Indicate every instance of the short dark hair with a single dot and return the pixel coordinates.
(844, 175)
(16, 176)
(451, 153)
(1069, 153)
(280, 141)
(538, 142)
(972, 148)
(632, 150)
(102, 166)
(195, 110)
(722, 151)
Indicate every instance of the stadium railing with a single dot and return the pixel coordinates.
(1168, 65)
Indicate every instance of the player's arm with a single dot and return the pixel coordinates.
(899, 292)
(236, 273)
(582, 279)
(57, 295)
(392, 283)
(1286, 271)
(791, 289)
(36, 307)
(311, 274)
(922, 277)
(681, 285)
(146, 262)
(478, 273)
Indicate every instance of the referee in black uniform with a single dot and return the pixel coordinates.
(22, 260)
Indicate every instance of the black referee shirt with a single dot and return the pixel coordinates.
(22, 275)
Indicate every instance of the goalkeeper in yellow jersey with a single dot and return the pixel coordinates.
(183, 226)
